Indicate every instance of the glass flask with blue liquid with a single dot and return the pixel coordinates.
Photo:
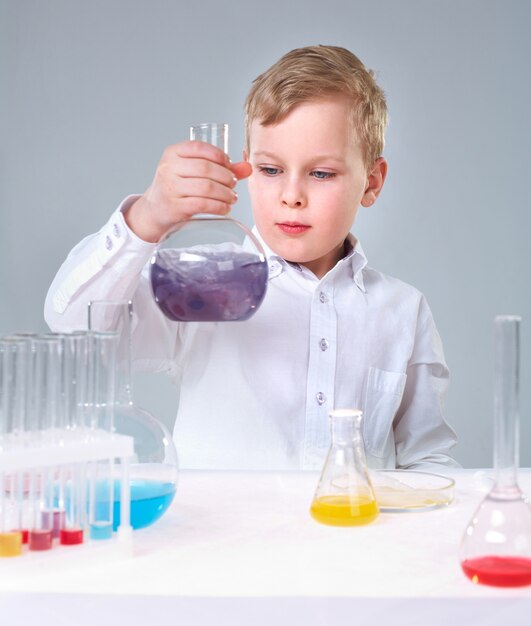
(154, 468)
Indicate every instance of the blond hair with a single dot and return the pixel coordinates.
(315, 73)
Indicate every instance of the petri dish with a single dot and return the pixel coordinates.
(408, 491)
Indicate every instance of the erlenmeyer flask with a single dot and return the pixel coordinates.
(154, 469)
(210, 269)
(496, 547)
(344, 495)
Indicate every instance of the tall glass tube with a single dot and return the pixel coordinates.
(496, 547)
(13, 363)
(506, 396)
(13, 372)
(72, 378)
(101, 484)
(44, 401)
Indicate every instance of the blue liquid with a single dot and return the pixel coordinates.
(100, 530)
(149, 501)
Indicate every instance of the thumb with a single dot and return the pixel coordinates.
(243, 169)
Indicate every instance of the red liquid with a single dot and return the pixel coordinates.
(40, 539)
(499, 571)
(70, 536)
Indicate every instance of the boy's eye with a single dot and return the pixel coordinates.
(320, 175)
(269, 171)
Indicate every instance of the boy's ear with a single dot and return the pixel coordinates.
(375, 181)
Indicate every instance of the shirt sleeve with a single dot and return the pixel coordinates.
(423, 438)
(112, 265)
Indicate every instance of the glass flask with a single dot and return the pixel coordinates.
(154, 469)
(209, 269)
(496, 547)
(344, 495)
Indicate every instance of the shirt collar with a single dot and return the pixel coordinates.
(354, 257)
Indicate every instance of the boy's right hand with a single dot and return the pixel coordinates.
(192, 177)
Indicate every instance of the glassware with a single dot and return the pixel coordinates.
(43, 402)
(13, 372)
(154, 470)
(344, 495)
(102, 406)
(210, 269)
(402, 491)
(496, 547)
(13, 365)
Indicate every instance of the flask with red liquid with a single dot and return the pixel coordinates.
(496, 547)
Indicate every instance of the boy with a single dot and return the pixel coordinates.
(331, 332)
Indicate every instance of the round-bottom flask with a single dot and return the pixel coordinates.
(154, 468)
(496, 547)
(344, 495)
(210, 269)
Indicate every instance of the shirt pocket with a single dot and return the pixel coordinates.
(383, 394)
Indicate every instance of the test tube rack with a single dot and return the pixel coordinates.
(64, 448)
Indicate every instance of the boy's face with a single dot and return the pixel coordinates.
(308, 181)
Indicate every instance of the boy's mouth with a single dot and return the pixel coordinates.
(292, 228)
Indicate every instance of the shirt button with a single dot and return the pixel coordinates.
(274, 268)
(116, 230)
(323, 344)
(320, 397)
(108, 243)
(323, 297)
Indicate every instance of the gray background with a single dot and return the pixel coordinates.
(92, 92)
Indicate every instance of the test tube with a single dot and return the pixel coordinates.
(45, 402)
(72, 533)
(72, 482)
(101, 482)
(69, 423)
(13, 366)
(10, 541)
(13, 370)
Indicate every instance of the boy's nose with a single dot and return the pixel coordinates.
(293, 196)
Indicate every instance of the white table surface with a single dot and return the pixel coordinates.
(241, 548)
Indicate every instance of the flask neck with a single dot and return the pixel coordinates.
(116, 316)
(345, 430)
(506, 400)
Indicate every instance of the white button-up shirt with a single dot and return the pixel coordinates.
(256, 394)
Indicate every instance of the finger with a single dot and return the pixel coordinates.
(201, 168)
(188, 207)
(205, 188)
(241, 170)
(197, 150)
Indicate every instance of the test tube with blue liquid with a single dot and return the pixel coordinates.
(100, 473)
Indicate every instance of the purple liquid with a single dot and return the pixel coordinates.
(212, 286)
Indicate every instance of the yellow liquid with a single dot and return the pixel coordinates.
(344, 510)
(10, 544)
